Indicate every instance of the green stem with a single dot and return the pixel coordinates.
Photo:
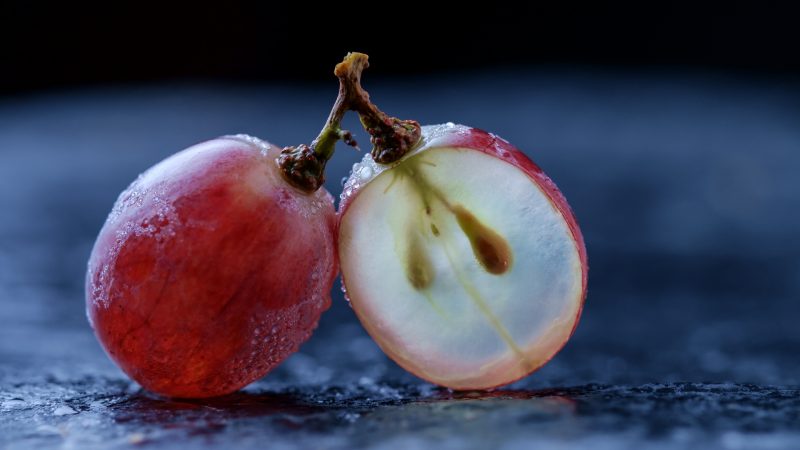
(304, 166)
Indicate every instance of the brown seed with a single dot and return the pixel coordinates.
(419, 269)
(491, 250)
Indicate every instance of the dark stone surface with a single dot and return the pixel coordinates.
(686, 189)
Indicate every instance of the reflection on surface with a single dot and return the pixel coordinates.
(359, 412)
(204, 416)
(409, 414)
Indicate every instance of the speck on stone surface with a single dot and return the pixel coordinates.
(689, 336)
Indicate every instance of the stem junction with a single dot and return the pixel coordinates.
(304, 165)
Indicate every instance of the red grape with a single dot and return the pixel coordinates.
(211, 269)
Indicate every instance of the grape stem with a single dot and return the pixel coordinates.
(304, 166)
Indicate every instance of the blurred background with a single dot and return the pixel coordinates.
(674, 131)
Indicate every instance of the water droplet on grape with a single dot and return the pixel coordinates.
(365, 172)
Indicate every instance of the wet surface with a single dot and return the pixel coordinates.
(98, 412)
(685, 188)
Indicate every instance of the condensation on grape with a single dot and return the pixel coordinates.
(159, 226)
(360, 174)
(263, 146)
(500, 146)
(307, 206)
(432, 133)
(279, 333)
(367, 169)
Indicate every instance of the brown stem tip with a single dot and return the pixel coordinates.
(391, 137)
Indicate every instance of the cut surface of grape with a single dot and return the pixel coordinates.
(460, 262)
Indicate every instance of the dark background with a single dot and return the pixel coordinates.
(65, 44)
(673, 130)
